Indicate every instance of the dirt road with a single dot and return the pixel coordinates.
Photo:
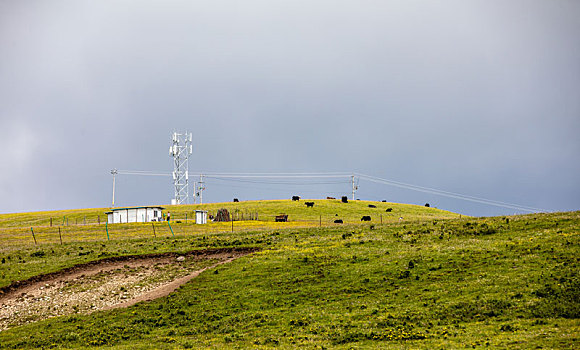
(105, 284)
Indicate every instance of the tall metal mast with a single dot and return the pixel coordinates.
(180, 150)
(114, 172)
(354, 186)
(201, 188)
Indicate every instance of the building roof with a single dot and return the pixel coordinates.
(146, 207)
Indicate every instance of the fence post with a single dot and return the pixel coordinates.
(381, 219)
(50, 222)
(186, 218)
(232, 224)
(168, 224)
(59, 235)
(320, 218)
(99, 219)
(31, 230)
(153, 225)
(107, 228)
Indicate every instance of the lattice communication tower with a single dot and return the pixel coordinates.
(180, 150)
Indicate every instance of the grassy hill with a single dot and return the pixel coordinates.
(433, 280)
(89, 224)
(329, 210)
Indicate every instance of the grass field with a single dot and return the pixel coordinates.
(433, 280)
(89, 224)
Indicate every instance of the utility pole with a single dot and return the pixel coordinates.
(114, 172)
(354, 186)
(200, 189)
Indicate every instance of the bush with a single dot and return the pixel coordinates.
(38, 254)
(561, 300)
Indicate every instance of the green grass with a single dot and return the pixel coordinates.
(430, 282)
(328, 210)
(82, 224)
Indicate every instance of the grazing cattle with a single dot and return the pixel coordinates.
(427, 205)
(309, 204)
(365, 218)
(236, 200)
(295, 198)
(389, 210)
(344, 199)
(372, 206)
(384, 201)
(339, 221)
(330, 198)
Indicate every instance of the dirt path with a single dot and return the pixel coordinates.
(105, 284)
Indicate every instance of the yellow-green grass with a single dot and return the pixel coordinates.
(267, 210)
(83, 224)
(326, 209)
(503, 282)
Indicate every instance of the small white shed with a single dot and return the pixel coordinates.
(201, 217)
(134, 214)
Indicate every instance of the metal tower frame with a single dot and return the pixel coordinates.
(180, 150)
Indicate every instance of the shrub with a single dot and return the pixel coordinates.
(38, 254)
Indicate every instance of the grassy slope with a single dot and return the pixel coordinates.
(421, 284)
(267, 210)
(15, 229)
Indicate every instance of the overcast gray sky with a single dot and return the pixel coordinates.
(476, 97)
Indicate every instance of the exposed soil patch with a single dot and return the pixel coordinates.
(105, 284)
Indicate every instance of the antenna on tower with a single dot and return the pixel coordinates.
(180, 149)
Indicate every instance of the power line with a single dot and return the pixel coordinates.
(240, 176)
(450, 194)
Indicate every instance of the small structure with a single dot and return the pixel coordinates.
(223, 215)
(134, 214)
(282, 218)
(201, 217)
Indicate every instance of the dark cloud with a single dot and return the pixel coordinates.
(479, 98)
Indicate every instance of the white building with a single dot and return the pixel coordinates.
(134, 214)
(201, 217)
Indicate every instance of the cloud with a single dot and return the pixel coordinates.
(474, 97)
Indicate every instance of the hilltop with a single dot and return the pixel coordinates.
(433, 280)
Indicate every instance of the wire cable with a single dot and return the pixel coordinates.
(243, 177)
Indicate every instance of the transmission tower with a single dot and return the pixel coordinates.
(180, 150)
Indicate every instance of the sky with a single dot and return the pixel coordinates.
(480, 98)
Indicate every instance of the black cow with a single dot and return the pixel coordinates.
(339, 221)
(309, 204)
(236, 200)
(372, 206)
(365, 218)
(384, 201)
(330, 198)
(389, 210)
(427, 205)
(344, 199)
(295, 198)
